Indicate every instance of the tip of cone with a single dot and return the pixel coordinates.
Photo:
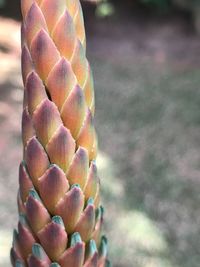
(75, 186)
(92, 247)
(75, 239)
(19, 263)
(54, 264)
(22, 219)
(103, 246)
(33, 193)
(90, 201)
(38, 251)
(58, 220)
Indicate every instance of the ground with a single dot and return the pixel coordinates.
(148, 121)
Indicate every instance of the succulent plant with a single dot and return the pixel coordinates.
(60, 216)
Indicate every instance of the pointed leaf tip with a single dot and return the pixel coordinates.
(38, 252)
(34, 194)
(54, 264)
(19, 263)
(58, 220)
(92, 248)
(76, 238)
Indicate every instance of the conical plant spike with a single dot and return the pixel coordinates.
(60, 217)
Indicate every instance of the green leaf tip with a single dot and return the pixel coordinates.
(90, 201)
(92, 249)
(38, 251)
(103, 250)
(19, 263)
(75, 239)
(108, 264)
(54, 264)
(58, 220)
(34, 194)
(75, 185)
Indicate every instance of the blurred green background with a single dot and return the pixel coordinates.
(145, 57)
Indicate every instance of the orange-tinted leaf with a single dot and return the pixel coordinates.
(44, 53)
(46, 120)
(26, 239)
(61, 148)
(35, 91)
(52, 11)
(24, 182)
(64, 35)
(27, 127)
(73, 256)
(85, 225)
(92, 182)
(73, 111)
(78, 170)
(60, 82)
(37, 214)
(27, 65)
(54, 238)
(86, 136)
(52, 186)
(71, 207)
(80, 64)
(36, 160)
(34, 22)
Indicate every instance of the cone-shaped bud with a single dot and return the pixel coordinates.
(78, 170)
(52, 11)
(103, 251)
(80, 64)
(87, 134)
(24, 182)
(73, 256)
(36, 160)
(38, 257)
(27, 127)
(61, 148)
(27, 64)
(91, 255)
(35, 21)
(86, 223)
(53, 183)
(60, 82)
(92, 182)
(73, 111)
(35, 91)
(46, 120)
(54, 238)
(71, 207)
(64, 35)
(25, 237)
(44, 54)
(37, 214)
